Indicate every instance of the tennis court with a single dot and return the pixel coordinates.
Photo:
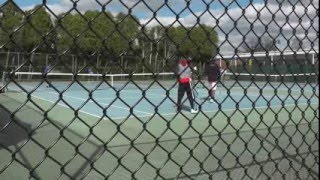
(144, 97)
(92, 121)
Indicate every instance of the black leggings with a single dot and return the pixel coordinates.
(182, 88)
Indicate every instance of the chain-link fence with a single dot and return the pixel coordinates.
(167, 89)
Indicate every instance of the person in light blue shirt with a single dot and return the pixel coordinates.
(47, 69)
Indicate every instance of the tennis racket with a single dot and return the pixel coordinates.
(195, 91)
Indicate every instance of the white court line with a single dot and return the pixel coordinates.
(168, 114)
(262, 107)
(120, 107)
(60, 104)
(152, 94)
(272, 89)
(146, 96)
(205, 92)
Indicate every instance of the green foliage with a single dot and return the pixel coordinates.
(69, 27)
(9, 22)
(198, 42)
(39, 26)
(126, 30)
(96, 32)
(99, 28)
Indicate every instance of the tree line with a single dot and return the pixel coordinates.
(120, 38)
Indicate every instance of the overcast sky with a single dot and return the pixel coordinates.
(235, 18)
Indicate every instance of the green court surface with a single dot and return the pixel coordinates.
(238, 142)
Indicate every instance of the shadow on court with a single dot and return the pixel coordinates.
(12, 131)
(92, 151)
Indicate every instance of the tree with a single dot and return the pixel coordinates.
(126, 31)
(10, 20)
(199, 42)
(37, 33)
(69, 28)
(99, 27)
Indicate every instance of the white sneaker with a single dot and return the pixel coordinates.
(193, 111)
(211, 101)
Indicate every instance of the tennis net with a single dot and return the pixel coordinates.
(22, 81)
(247, 79)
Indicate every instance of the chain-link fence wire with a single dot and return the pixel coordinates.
(268, 55)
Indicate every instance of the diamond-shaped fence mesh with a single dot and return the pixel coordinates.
(167, 89)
